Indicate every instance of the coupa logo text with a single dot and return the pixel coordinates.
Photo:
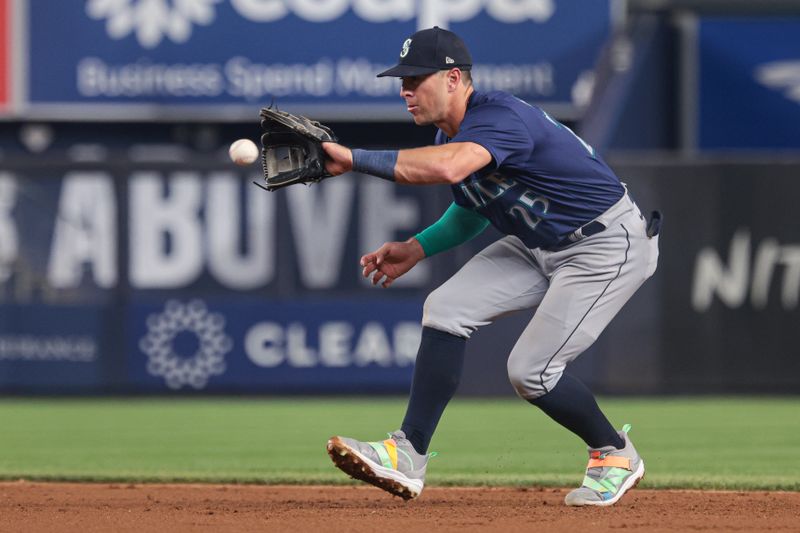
(151, 21)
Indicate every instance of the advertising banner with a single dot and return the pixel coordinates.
(86, 231)
(209, 58)
(274, 346)
(749, 83)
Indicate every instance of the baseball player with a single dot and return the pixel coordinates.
(575, 249)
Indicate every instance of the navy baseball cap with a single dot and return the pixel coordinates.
(429, 51)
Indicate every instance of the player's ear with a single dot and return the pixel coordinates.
(453, 79)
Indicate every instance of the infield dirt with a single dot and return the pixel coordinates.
(86, 507)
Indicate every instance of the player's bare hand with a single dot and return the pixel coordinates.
(339, 160)
(391, 261)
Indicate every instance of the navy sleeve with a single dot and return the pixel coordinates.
(498, 129)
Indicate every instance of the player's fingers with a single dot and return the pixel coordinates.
(380, 255)
(378, 277)
(367, 258)
(369, 268)
(384, 270)
(388, 282)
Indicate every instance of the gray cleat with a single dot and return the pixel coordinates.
(609, 475)
(392, 465)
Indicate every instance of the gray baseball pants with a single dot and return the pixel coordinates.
(575, 292)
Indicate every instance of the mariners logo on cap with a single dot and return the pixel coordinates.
(406, 46)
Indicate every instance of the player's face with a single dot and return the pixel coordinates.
(426, 97)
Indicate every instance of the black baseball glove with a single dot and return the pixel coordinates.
(291, 149)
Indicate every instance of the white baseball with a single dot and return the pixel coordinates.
(243, 152)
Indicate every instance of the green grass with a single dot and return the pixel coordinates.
(709, 443)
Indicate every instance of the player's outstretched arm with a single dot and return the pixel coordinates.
(446, 163)
(391, 261)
